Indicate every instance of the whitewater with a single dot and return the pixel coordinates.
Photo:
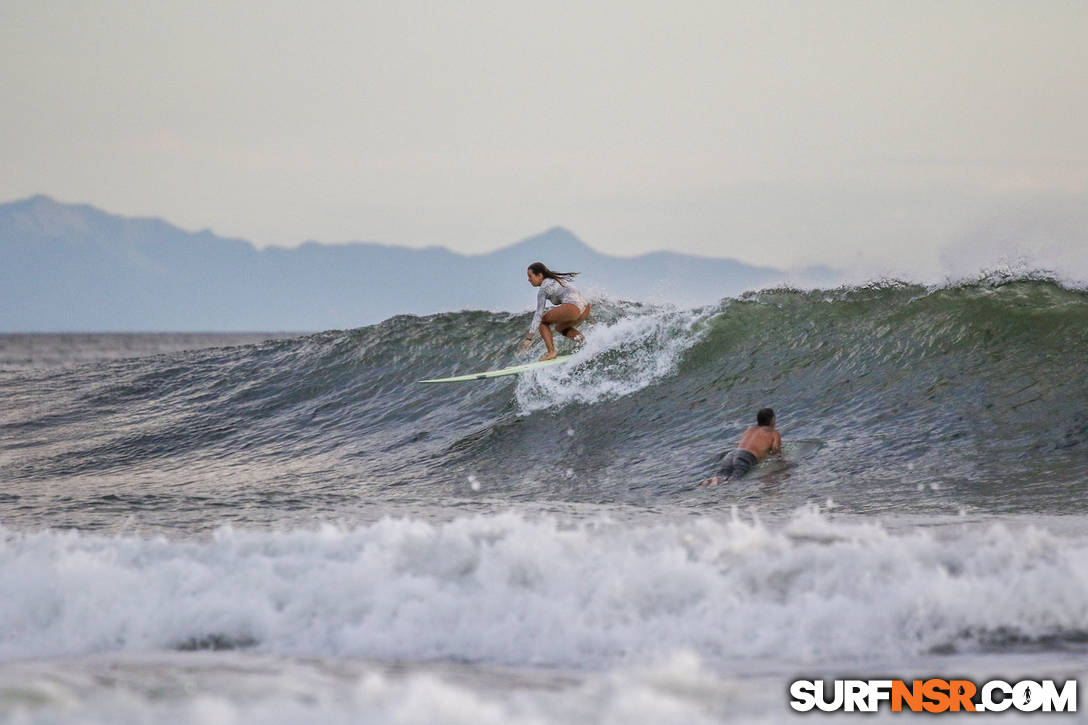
(287, 528)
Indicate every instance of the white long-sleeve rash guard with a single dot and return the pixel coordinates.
(551, 290)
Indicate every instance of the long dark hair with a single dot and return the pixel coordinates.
(560, 277)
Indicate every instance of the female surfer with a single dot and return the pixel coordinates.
(570, 307)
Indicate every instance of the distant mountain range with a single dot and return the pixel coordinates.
(74, 268)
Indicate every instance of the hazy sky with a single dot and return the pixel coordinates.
(882, 135)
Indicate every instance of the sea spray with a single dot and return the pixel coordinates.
(511, 589)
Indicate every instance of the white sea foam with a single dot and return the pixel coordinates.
(233, 688)
(514, 590)
(619, 357)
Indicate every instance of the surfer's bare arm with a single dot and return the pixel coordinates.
(534, 326)
(776, 447)
(541, 301)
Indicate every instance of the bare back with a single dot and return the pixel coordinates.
(761, 441)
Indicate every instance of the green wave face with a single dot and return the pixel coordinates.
(891, 398)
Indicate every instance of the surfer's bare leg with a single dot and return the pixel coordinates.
(546, 334)
(569, 331)
(563, 317)
(567, 328)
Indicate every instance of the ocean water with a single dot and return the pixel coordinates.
(288, 528)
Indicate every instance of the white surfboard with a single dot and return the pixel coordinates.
(500, 373)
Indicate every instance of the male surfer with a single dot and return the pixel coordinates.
(758, 442)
